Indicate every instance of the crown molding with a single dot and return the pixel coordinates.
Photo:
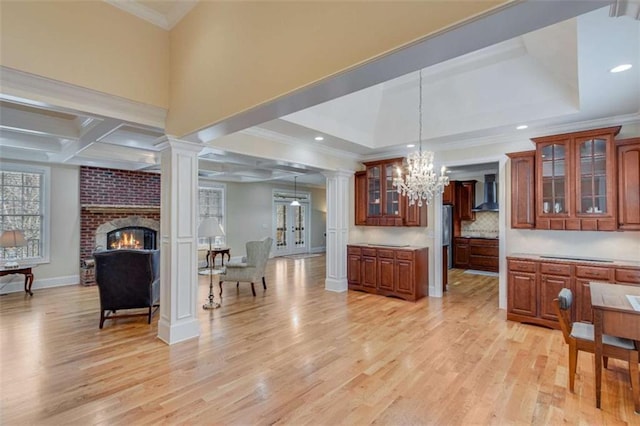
(166, 22)
(30, 89)
(293, 141)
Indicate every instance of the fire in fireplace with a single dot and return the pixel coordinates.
(132, 237)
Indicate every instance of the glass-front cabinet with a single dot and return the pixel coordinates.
(377, 201)
(575, 175)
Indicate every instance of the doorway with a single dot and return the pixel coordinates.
(291, 228)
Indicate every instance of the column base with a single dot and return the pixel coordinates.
(180, 332)
(339, 286)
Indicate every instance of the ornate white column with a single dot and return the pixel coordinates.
(178, 241)
(339, 186)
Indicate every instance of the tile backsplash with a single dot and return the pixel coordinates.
(485, 225)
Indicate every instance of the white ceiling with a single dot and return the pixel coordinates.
(554, 77)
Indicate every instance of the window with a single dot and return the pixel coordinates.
(24, 205)
(211, 199)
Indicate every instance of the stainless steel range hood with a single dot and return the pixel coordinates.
(490, 203)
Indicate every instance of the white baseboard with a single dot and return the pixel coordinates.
(339, 286)
(16, 283)
(321, 249)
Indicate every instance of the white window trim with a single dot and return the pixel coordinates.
(46, 205)
(223, 188)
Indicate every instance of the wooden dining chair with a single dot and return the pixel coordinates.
(580, 337)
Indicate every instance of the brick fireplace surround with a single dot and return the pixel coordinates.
(109, 194)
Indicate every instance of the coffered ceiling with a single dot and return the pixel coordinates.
(556, 78)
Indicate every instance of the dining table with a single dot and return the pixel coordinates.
(615, 315)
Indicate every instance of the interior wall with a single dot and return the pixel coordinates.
(249, 214)
(224, 55)
(96, 46)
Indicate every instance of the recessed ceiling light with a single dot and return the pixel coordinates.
(620, 68)
(522, 127)
(319, 138)
(411, 145)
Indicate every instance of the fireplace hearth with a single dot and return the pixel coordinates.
(132, 237)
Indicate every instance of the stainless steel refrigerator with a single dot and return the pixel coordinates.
(447, 231)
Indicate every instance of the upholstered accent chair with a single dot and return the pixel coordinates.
(252, 267)
(580, 337)
(127, 279)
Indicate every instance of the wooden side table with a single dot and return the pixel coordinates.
(24, 270)
(211, 255)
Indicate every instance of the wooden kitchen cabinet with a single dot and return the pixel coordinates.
(523, 189)
(448, 195)
(628, 156)
(476, 253)
(533, 282)
(575, 181)
(397, 272)
(377, 201)
(465, 199)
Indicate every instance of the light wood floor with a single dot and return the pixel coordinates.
(297, 354)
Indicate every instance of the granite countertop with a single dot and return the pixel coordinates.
(390, 245)
(478, 238)
(578, 259)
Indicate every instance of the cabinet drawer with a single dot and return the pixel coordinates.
(461, 241)
(385, 253)
(405, 255)
(483, 261)
(354, 250)
(555, 269)
(593, 272)
(484, 250)
(522, 266)
(628, 276)
(368, 252)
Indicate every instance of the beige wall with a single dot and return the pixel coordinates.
(227, 57)
(249, 214)
(64, 253)
(87, 43)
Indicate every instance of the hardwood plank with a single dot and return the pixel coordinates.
(297, 354)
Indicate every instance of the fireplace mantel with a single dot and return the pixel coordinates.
(101, 208)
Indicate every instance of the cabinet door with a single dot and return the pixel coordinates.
(522, 297)
(405, 278)
(629, 184)
(374, 191)
(448, 194)
(550, 286)
(392, 205)
(523, 189)
(369, 272)
(386, 274)
(553, 181)
(466, 197)
(360, 198)
(594, 177)
(461, 255)
(353, 269)
(414, 215)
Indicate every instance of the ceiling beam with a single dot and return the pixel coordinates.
(37, 124)
(29, 142)
(91, 136)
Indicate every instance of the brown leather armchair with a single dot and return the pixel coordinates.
(127, 279)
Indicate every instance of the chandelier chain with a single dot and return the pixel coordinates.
(420, 183)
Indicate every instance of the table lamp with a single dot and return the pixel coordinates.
(12, 239)
(210, 228)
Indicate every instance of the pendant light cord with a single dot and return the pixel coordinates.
(420, 113)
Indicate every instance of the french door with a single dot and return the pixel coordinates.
(291, 228)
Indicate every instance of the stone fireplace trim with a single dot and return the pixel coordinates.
(105, 228)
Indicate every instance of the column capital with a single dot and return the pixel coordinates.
(171, 142)
(338, 173)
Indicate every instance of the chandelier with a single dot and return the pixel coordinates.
(420, 182)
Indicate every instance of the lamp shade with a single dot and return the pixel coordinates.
(12, 238)
(210, 227)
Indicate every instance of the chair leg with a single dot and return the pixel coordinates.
(264, 283)
(605, 361)
(237, 285)
(573, 362)
(220, 284)
(253, 289)
(101, 318)
(149, 316)
(635, 380)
